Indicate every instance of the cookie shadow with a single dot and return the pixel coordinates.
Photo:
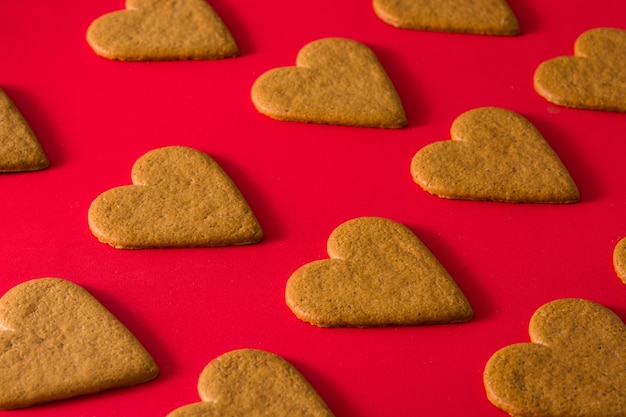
(150, 340)
(528, 19)
(270, 225)
(588, 184)
(331, 393)
(405, 84)
(238, 29)
(477, 296)
(619, 310)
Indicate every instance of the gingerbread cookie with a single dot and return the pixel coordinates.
(594, 78)
(57, 342)
(335, 81)
(180, 198)
(155, 30)
(495, 154)
(249, 382)
(483, 17)
(619, 259)
(379, 274)
(573, 367)
(19, 148)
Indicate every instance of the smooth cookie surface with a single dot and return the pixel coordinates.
(153, 30)
(57, 342)
(379, 274)
(497, 155)
(335, 81)
(573, 367)
(249, 382)
(180, 198)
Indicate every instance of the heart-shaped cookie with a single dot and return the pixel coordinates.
(495, 155)
(155, 30)
(57, 342)
(180, 198)
(19, 148)
(379, 274)
(335, 81)
(249, 382)
(575, 365)
(594, 78)
(619, 259)
(482, 17)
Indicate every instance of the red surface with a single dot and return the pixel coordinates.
(95, 117)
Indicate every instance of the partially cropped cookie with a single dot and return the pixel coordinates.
(379, 274)
(335, 81)
(573, 367)
(249, 382)
(619, 259)
(594, 78)
(58, 342)
(180, 197)
(482, 17)
(19, 148)
(496, 155)
(157, 30)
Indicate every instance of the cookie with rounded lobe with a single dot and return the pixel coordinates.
(482, 17)
(335, 81)
(379, 274)
(594, 78)
(159, 30)
(496, 155)
(250, 382)
(180, 197)
(57, 342)
(574, 365)
(19, 148)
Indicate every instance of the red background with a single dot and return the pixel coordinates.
(94, 117)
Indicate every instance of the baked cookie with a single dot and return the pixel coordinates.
(594, 78)
(335, 81)
(619, 259)
(379, 274)
(250, 382)
(19, 148)
(58, 342)
(573, 367)
(159, 30)
(496, 155)
(180, 198)
(482, 17)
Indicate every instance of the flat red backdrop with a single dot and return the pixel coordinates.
(94, 117)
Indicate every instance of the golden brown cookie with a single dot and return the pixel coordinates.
(335, 81)
(58, 342)
(482, 17)
(619, 259)
(496, 155)
(19, 148)
(180, 198)
(250, 382)
(594, 78)
(158, 30)
(573, 367)
(379, 274)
